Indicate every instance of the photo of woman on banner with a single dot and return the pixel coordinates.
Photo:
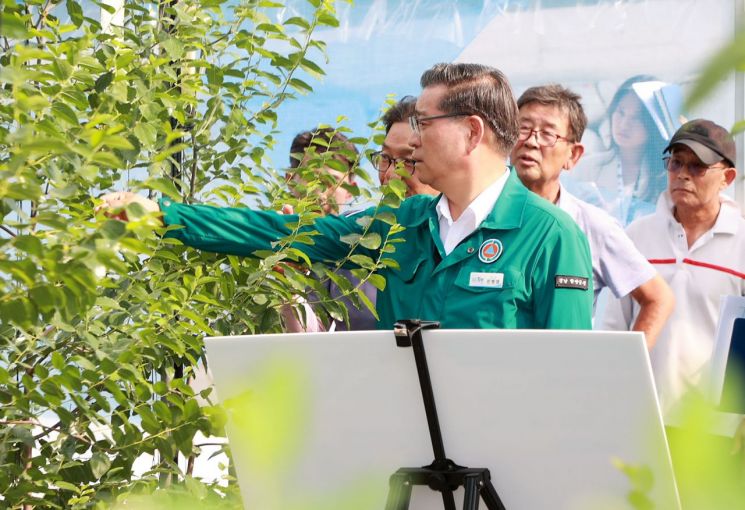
(627, 178)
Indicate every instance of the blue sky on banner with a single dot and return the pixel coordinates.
(381, 48)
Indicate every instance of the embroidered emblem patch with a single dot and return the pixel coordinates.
(490, 250)
(570, 282)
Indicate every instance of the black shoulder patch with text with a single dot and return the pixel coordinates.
(570, 282)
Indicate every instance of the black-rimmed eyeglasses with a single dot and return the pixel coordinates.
(415, 122)
(543, 138)
(675, 165)
(383, 162)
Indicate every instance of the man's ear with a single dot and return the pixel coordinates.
(577, 150)
(729, 176)
(476, 132)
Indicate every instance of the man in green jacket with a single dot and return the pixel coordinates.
(486, 253)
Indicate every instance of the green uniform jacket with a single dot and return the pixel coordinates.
(541, 279)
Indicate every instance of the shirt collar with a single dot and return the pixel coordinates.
(481, 206)
(728, 219)
(567, 202)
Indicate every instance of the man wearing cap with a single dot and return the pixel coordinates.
(696, 240)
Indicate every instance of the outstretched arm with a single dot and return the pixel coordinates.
(243, 231)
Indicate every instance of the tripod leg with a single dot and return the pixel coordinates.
(448, 500)
(471, 497)
(491, 498)
(399, 492)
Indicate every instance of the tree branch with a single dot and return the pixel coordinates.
(47, 429)
(6, 229)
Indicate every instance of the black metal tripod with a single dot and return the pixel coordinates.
(443, 474)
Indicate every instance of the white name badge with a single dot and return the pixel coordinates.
(493, 280)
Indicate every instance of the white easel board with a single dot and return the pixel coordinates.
(545, 411)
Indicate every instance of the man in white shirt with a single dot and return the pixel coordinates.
(552, 121)
(696, 238)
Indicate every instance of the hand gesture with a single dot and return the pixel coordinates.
(114, 204)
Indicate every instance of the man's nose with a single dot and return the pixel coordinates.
(415, 140)
(532, 140)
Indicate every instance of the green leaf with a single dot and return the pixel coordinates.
(62, 69)
(362, 261)
(377, 281)
(387, 217)
(113, 229)
(63, 112)
(23, 434)
(100, 464)
(162, 412)
(146, 134)
(173, 47)
(20, 311)
(106, 159)
(58, 361)
(117, 142)
(75, 12)
(149, 422)
(103, 81)
(300, 85)
(13, 26)
(45, 297)
(298, 21)
(165, 186)
(66, 486)
(328, 19)
(29, 244)
(214, 76)
(350, 239)
(75, 97)
(124, 59)
(173, 149)
(311, 67)
(199, 321)
(371, 240)
(366, 300)
(107, 303)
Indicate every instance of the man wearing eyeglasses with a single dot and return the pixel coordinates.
(552, 122)
(696, 239)
(486, 254)
(394, 159)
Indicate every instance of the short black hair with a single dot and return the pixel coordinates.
(322, 140)
(399, 112)
(562, 98)
(480, 90)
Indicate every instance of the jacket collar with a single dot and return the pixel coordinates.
(507, 213)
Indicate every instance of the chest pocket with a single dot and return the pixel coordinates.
(486, 297)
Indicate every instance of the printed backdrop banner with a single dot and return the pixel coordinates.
(644, 54)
